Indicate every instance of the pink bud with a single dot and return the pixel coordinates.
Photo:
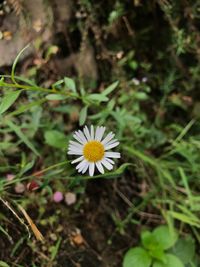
(10, 177)
(19, 188)
(70, 198)
(57, 196)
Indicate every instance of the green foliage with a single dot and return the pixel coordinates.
(184, 249)
(137, 257)
(70, 84)
(171, 261)
(156, 247)
(55, 139)
(165, 237)
(3, 264)
(83, 115)
(8, 100)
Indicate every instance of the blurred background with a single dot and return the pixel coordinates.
(152, 48)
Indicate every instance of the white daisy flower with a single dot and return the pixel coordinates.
(92, 150)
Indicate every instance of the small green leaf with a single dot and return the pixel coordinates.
(158, 253)
(4, 264)
(8, 100)
(148, 240)
(21, 135)
(27, 167)
(98, 97)
(55, 138)
(83, 115)
(171, 261)
(151, 243)
(133, 65)
(165, 237)
(137, 257)
(23, 79)
(27, 106)
(110, 88)
(185, 249)
(70, 84)
(55, 97)
(58, 83)
(141, 96)
(2, 81)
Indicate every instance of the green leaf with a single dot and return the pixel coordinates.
(83, 115)
(137, 257)
(4, 264)
(27, 167)
(56, 97)
(98, 97)
(110, 88)
(158, 253)
(56, 139)
(193, 221)
(8, 100)
(171, 261)
(22, 79)
(148, 240)
(1, 81)
(151, 243)
(22, 136)
(70, 84)
(141, 96)
(165, 237)
(27, 106)
(58, 83)
(133, 64)
(184, 249)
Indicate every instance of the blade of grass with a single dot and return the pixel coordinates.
(6, 234)
(187, 188)
(21, 135)
(15, 63)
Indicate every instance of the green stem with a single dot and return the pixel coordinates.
(41, 89)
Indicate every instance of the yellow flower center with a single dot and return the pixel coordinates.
(93, 151)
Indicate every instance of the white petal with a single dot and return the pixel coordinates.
(112, 141)
(91, 168)
(86, 167)
(76, 147)
(108, 138)
(92, 132)
(82, 136)
(74, 152)
(110, 160)
(81, 165)
(100, 133)
(79, 136)
(74, 143)
(87, 133)
(97, 133)
(107, 164)
(100, 167)
(77, 160)
(112, 155)
(107, 147)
